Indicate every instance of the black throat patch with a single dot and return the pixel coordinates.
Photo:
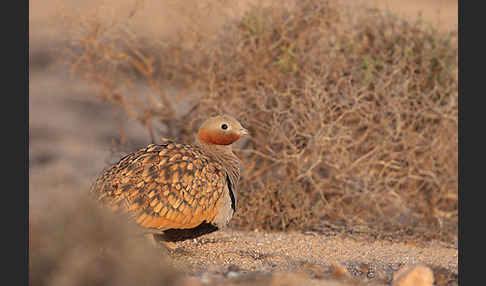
(232, 195)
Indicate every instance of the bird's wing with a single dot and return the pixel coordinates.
(164, 186)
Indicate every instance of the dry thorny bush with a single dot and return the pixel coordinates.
(352, 112)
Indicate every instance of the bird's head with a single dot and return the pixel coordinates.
(220, 130)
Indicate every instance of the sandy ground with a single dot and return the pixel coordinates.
(70, 139)
(310, 255)
(441, 14)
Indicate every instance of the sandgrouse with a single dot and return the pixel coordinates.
(178, 191)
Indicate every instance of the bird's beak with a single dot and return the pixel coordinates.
(243, 131)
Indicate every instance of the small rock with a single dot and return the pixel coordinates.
(339, 271)
(232, 274)
(413, 275)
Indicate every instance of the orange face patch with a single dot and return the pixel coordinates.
(217, 137)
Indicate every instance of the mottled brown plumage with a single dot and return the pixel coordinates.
(178, 191)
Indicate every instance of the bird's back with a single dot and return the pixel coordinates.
(168, 186)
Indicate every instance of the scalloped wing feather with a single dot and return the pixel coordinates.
(164, 186)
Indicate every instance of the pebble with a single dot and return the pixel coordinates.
(413, 275)
(232, 274)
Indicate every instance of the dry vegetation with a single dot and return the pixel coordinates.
(73, 242)
(352, 113)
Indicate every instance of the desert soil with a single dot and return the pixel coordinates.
(70, 139)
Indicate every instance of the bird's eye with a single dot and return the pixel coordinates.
(224, 126)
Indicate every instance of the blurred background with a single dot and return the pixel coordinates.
(352, 108)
